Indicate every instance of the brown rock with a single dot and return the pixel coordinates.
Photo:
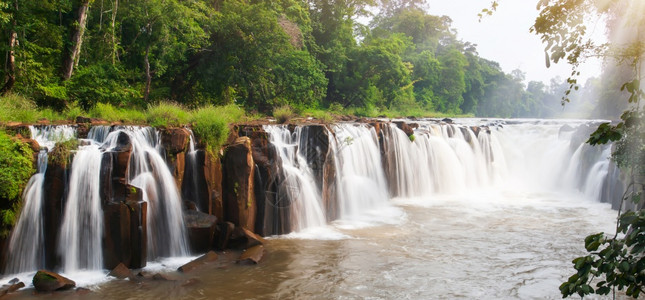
(162, 277)
(239, 197)
(45, 281)
(175, 140)
(252, 255)
(210, 256)
(121, 272)
(224, 233)
(13, 286)
(81, 119)
(244, 238)
(201, 230)
(405, 127)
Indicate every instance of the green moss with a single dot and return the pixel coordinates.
(16, 167)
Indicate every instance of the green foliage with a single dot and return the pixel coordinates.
(16, 168)
(211, 124)
(61, 154)
(283, 114)
(108, 112)
(101, 82)
(167, 114)
(619, 262)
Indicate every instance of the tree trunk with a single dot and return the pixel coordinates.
(146, 62)
(115, 7)
(76, 39)
(11, 57)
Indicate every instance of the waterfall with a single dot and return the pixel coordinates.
(25, 248)
(26, 243)
(361, 183)
(191, 185)
(149, 172)
(299, 185)
(82, 227)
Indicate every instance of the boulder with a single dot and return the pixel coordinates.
(116, 236)
(14, 285)
(175, 140)
(252, 255)
(45, 281)
(405, 127)
(121, 272)
(239, 196)
(243, 238)
(201, 230)
(200, 261)
(81, 119)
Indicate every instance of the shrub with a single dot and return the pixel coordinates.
(62, 151)
(282, 114)
(166, 114)
(100, 83)
(210, 124)
(16, 168)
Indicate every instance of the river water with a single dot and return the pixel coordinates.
(509, 238)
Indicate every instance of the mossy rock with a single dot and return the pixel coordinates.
(45, 281)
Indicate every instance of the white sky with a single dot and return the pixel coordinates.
(504, 37)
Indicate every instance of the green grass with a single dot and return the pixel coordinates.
(113, 114)
(211, 124)
(324, 116)
(283, 114)
(167, 114)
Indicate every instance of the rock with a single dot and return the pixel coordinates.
(273, 208)
(239, 196)
(447, 120)
(224, 233)
(162, 277)
(116, 235)
(252, 255)
(201, 230)
(13, 286)
(81, 119)
(121, 272)
(82, 291)
(175, 140)
(45, 281)
(243, 238)
(476, 130)
(404, 127)
(210, 256)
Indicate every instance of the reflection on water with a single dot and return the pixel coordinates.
(485, 245)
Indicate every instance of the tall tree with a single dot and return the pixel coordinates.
(71, 55)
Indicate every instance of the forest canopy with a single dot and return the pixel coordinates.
(258, 55)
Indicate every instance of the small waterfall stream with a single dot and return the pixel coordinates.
(82, 228)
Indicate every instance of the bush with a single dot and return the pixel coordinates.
(167, 114)
(210, 124)
(16, 168)
(282, 114)
(61, 153)
(100, 83)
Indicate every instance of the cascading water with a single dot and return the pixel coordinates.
(299, 185)
(361, 183)
(82, 228)
(148, 171)
(25, 249)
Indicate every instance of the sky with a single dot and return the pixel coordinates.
(504, 37)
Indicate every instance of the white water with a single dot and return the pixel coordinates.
(25, 252)
(82, 227)
(299, 185)
(149, 172)
(363, 197)
(48, 136)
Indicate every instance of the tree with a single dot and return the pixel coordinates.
(617, 261)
